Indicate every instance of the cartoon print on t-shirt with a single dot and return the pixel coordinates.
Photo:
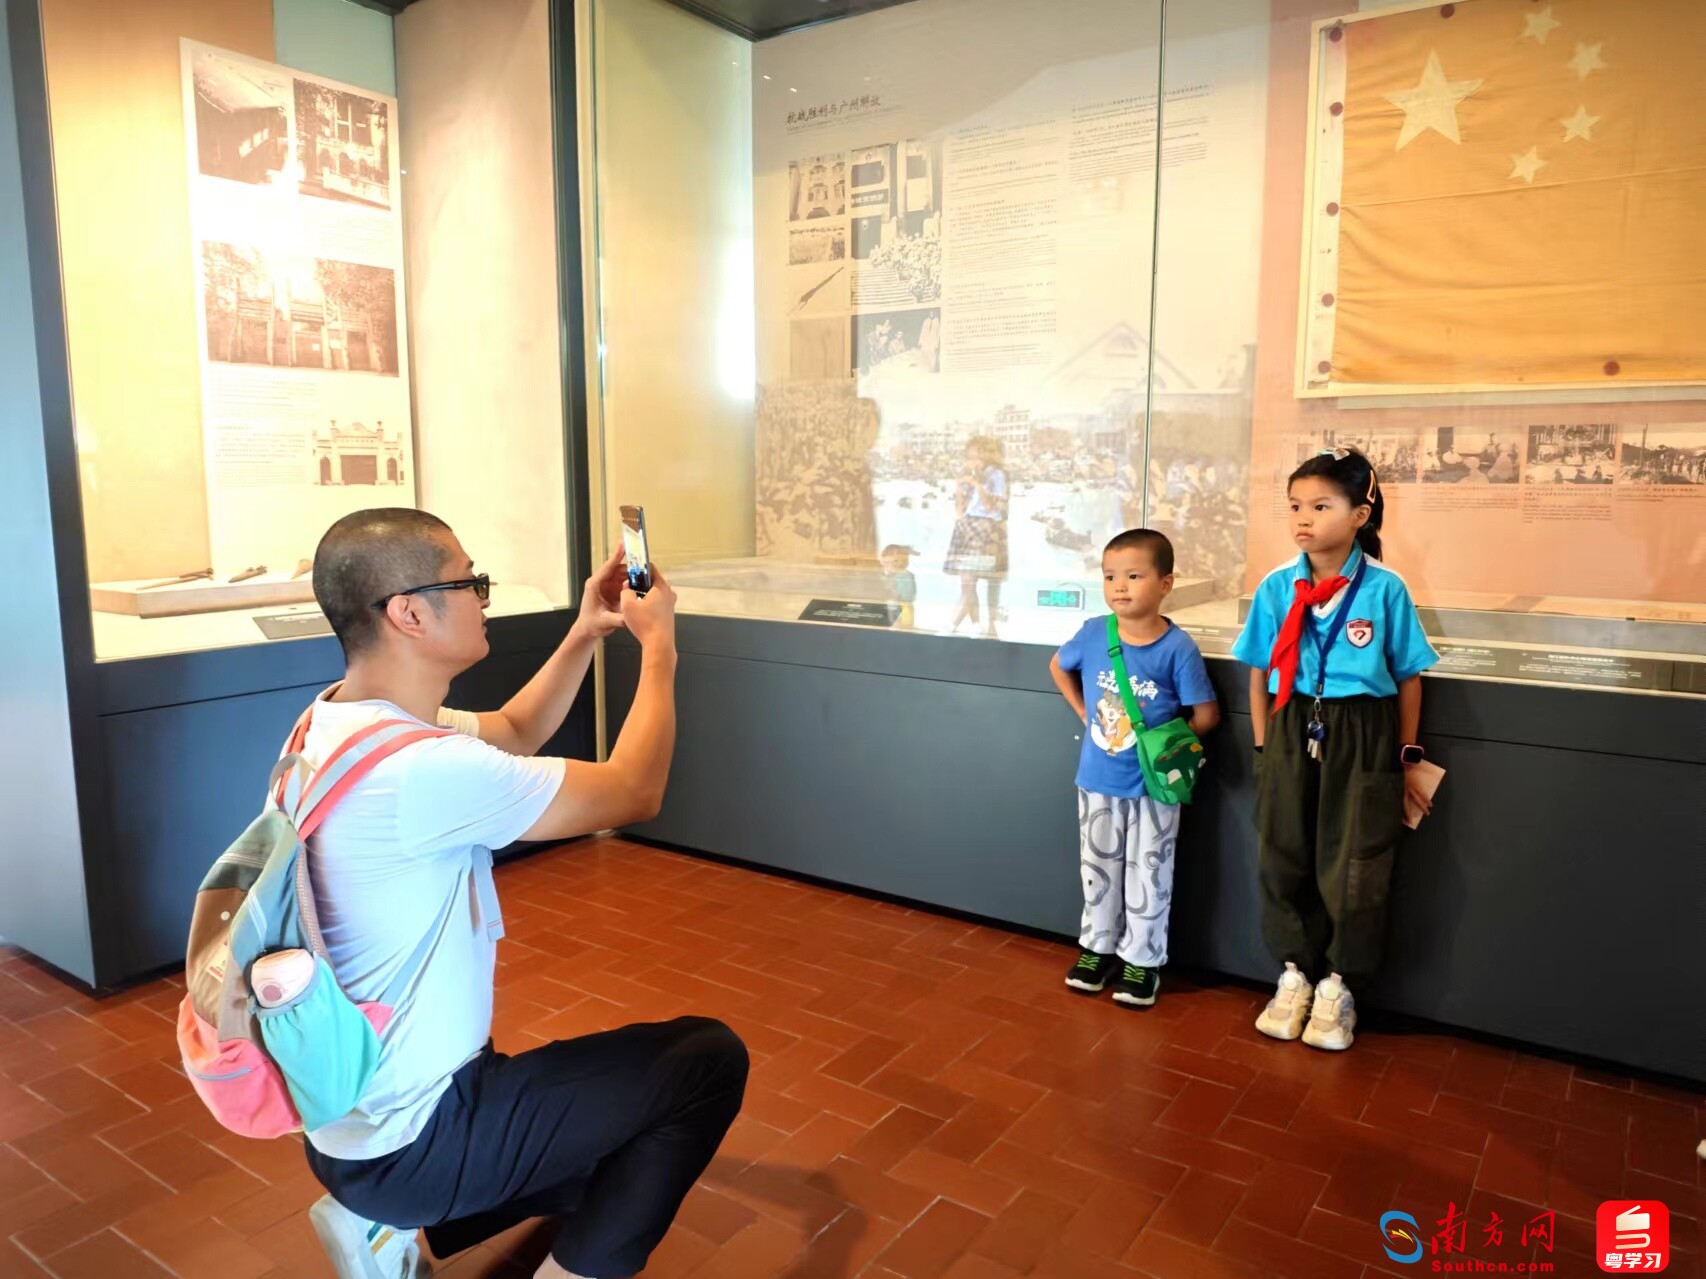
(1111, 728)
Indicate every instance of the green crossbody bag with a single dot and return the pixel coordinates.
(1169, 754)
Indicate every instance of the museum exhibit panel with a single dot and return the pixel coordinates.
(898, 278)
(289, 260)
(897, 317)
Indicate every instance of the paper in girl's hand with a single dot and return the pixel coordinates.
(1429, 775)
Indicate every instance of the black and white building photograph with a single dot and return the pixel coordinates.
(242, 122)
(356, 454)
(302, 313)
(817, 188)
(343, 145)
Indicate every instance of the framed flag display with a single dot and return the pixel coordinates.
(1503, 195)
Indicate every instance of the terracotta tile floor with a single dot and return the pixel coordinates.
(927, 1100)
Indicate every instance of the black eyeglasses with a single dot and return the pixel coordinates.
(481, 586)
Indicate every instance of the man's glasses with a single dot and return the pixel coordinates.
(481, 586)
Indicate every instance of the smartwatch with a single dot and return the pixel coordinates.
(1411, 754)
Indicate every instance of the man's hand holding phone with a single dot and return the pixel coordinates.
(650, 618)
(601, 602)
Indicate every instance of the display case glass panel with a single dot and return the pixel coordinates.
(309, 257)
(959, 290)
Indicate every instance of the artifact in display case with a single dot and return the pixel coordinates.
(1008, 303)
(1559, 152)
(296, 341)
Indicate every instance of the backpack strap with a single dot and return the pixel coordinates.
(351, 762)
(1116, 659)
(288, 760)
(309, 803)
(285, 783)
(293, 747)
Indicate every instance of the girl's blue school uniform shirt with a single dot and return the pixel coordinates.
(1167, 677)
(1380, 642)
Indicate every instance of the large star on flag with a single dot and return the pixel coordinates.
(1579, 125)
(1432, 104)
(1539, 25)
(1526, 165)
(1587, 60)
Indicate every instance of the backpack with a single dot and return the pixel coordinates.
(274, 1065)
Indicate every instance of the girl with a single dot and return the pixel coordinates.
(979, 546)
(1335, 700)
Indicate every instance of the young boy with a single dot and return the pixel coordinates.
(1126, 839)
(898, 578)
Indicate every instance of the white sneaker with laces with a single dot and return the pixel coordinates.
(1333, 1019)
(363, 1249)
(1286, 1012)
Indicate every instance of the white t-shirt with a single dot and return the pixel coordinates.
(402, 880)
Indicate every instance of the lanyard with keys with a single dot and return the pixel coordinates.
(1316, 732)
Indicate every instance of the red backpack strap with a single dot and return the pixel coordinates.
(298, 736)
(292, 753)
(352, 761)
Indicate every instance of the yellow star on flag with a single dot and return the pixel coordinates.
(1579, 125)
(1587, 60)
(1526, 165)
(1539, 25)
(1432, 104)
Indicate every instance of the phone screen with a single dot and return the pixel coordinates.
(634, 549)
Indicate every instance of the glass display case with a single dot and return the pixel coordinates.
(898, 318)
(309, 259)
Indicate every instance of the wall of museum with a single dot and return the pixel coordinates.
(337, 39)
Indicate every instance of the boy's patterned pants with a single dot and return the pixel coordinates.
(1126, 864)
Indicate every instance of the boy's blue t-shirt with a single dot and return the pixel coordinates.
(1167, 677)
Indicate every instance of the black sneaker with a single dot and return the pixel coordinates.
(1092, 971)
(1137, 986)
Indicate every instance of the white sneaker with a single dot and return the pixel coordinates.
(362, 1249)
(1286, 1012)
(1333, 1019)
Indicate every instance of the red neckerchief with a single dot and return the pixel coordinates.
(1288, 645)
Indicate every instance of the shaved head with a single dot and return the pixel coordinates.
(371, 554)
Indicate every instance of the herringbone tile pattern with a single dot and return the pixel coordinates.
(928, 1101)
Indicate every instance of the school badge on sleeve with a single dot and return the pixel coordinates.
(1360, 631)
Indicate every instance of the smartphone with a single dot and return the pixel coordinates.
(634, 549)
